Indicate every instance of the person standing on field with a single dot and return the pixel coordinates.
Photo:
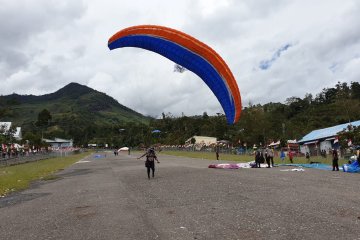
(282, 156)
(291, 155)
(271, 155)
(217, 150)
(335, 162)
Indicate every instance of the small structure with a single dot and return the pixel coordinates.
(322, 139)
(274, 144)
(202, 140)
(59, 143)
(291, 145)
(123, 149)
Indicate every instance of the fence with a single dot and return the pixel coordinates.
(20, 159)
(223, 150)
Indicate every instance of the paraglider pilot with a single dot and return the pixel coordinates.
(150, 161)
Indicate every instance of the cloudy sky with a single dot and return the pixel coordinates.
(275, 48)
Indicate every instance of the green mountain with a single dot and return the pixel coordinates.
(74, 109)
(89, 116)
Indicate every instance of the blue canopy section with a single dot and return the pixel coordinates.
(321, 166)
(326, 132)
(156, 131)
(354, 167)
(186, 58)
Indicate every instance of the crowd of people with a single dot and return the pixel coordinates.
(262, 156)
(15, 150)
(267, 155)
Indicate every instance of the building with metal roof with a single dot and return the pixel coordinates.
(322, 139)
(59, 143)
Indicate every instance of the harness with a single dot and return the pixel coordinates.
(150, 157)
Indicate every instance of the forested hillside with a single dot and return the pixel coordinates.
(75, 111)
(272, 121)
(89, 116)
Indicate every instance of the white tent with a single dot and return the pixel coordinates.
(123, 149)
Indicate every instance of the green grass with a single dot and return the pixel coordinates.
(245, 158)
(19, 177)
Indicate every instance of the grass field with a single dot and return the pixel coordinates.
(19, 177)
(245, 158)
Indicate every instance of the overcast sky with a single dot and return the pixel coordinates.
(275, 48)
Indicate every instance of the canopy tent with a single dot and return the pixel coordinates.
(123, 149)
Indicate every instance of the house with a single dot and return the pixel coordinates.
(6, 126)
(203, 140)
(291, 145)
(322, 139)
(59, 143)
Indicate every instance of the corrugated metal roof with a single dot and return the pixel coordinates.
(57, 140)
(326, 132)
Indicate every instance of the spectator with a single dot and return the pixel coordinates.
(267, 157)
(291, 155)
(271, 155)
(335, 162)
(307, 155)
(282, 156)
(257, 159)
(217, 152)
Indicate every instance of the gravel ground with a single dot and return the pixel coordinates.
(111, 198)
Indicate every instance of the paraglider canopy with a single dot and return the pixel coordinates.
(156, 131)
(189, 53)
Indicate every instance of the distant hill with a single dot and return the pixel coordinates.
(89, 116)
(74, 104)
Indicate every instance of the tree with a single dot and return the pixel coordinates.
(9, 134)
(355, 90)
(44, 117)
(33, 139)
(350, 133)
(283, 143)
(205, 115)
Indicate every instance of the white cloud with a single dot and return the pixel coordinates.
(48, 44)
